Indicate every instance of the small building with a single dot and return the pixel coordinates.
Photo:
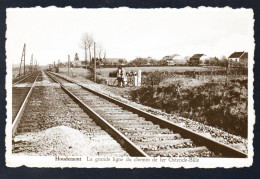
(76, 62)
(238, 58)
(169, 60)
(195, 59)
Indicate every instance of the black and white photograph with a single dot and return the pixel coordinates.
(129, 88)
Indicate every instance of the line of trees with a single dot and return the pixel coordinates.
(87, 44)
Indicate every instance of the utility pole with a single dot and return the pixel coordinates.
(95, 77)
(22, 61)
(68, 65)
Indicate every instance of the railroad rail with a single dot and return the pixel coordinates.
(20, 79)
(139, 132)
(20, 96)
(49, 106)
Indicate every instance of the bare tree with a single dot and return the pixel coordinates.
(100, 50)
(86, 42)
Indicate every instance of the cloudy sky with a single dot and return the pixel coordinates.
(54, 33)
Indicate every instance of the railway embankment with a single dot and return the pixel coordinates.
(124, 95)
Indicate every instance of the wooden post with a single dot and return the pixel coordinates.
(135, 79)
(68, 65)
(139, 77)
(95, 77)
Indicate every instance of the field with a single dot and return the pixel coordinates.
(76, 72)
(216, 100)
(105, 71)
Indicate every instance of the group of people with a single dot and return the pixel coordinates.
(125, 79)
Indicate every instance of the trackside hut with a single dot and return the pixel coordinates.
(238, 58)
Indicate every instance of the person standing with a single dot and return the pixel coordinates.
(124, 77)
(119, 76)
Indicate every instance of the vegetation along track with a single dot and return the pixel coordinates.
(141, 133)
(49, 108)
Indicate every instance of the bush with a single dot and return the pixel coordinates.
(214, 104)
(113, 73)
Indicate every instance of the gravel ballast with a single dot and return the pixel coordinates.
(53, 124)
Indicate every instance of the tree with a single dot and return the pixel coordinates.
(153, 62)
(223, 61)
(100, 50)
(86, 42)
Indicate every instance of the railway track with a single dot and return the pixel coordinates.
(48, 107)
(141, 133)
(20, 91)
(20, 79)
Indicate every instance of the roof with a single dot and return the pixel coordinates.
(197, 55)
(245, 55)
(169, 57)
(236, 55)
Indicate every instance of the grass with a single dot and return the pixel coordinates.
(76, 72)
(105, 71)
(212, 101)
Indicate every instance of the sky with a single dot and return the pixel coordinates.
(51, 34)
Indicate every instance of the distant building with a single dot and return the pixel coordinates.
(238, 58)
(179, 60)
(76, 62)
(169, 60)
(196, 59)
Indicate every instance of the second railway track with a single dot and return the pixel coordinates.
(141, 133)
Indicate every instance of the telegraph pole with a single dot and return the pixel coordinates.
(95, 77)
(22, 61)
